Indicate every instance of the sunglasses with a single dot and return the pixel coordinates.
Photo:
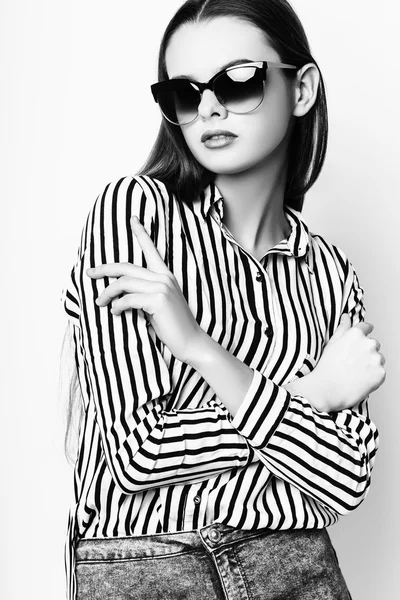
(239, 89)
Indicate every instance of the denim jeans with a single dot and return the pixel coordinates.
(216, 562)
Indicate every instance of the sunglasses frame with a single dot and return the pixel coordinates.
(209, 85)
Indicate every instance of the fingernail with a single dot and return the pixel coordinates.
(135, 220)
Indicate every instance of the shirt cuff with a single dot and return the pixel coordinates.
(261, 411)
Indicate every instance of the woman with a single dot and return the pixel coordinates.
(221, 349)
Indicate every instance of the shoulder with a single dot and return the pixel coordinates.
(329, 256)
(139, 191)
(336, 274)
(119, 200)
(110, 214)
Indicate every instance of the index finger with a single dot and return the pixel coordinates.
(153, 258)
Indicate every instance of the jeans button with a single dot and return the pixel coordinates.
(214, 534)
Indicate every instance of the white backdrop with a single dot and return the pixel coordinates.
(76, 113)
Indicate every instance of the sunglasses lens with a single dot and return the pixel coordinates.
(179, 101)
(240, 89)
(187, 100)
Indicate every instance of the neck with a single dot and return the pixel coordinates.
(253, 207)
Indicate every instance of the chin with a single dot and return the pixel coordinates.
(221, 164)
(226, 162)
(226, 167)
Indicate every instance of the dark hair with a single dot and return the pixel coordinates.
(171, 160)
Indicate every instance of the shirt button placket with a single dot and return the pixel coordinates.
(260, 277)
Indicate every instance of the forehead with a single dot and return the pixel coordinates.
(202, 49)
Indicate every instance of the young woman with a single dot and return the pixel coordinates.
(221, 350)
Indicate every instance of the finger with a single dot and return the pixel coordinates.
(344, 325)
(128, 285)
(376, 343)
(365, 327)
(383, 359)
(345, 321)
(153, 258)
(119, 270)
(134, 301)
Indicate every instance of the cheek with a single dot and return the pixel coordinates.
(193, 140)
(274, 119)
(268, 134)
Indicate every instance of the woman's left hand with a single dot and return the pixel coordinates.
(154, 290)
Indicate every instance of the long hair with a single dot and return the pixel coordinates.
(70, 394)
(171, 160)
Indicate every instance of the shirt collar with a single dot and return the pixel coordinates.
(297, 244)
(209, 197)
(298, 241)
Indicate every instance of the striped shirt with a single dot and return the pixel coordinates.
(158, 451)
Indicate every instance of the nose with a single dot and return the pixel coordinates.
(209, 106)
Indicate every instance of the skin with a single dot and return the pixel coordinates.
(252, 168)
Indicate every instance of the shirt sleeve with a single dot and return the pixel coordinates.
(146, 444)
(328, 456)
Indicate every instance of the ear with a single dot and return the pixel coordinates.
(305, 89)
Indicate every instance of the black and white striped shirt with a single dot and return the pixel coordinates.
(158, 451)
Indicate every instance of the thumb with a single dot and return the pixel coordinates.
(344, 325)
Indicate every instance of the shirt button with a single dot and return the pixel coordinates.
(267, 330)
(197, 499)
(259, 276)
(214, 535)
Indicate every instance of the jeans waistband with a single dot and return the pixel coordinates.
(212, 537)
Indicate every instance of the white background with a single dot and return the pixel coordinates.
(76, 113)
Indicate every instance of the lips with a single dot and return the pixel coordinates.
(207, 135)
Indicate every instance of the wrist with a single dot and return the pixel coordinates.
(228, 376)
(309, 387)
(200, 353)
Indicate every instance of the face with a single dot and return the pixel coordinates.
(199, 51)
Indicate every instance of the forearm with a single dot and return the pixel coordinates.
(182, 445)
(149, 445)
(228, 376)
(329, 457)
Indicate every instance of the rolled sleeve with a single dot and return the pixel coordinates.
(261, 411)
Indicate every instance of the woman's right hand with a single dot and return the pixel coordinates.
(350, 368)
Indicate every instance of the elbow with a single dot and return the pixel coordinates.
(353, 489)
(354, 496)
(130, 478)
(132, 485)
